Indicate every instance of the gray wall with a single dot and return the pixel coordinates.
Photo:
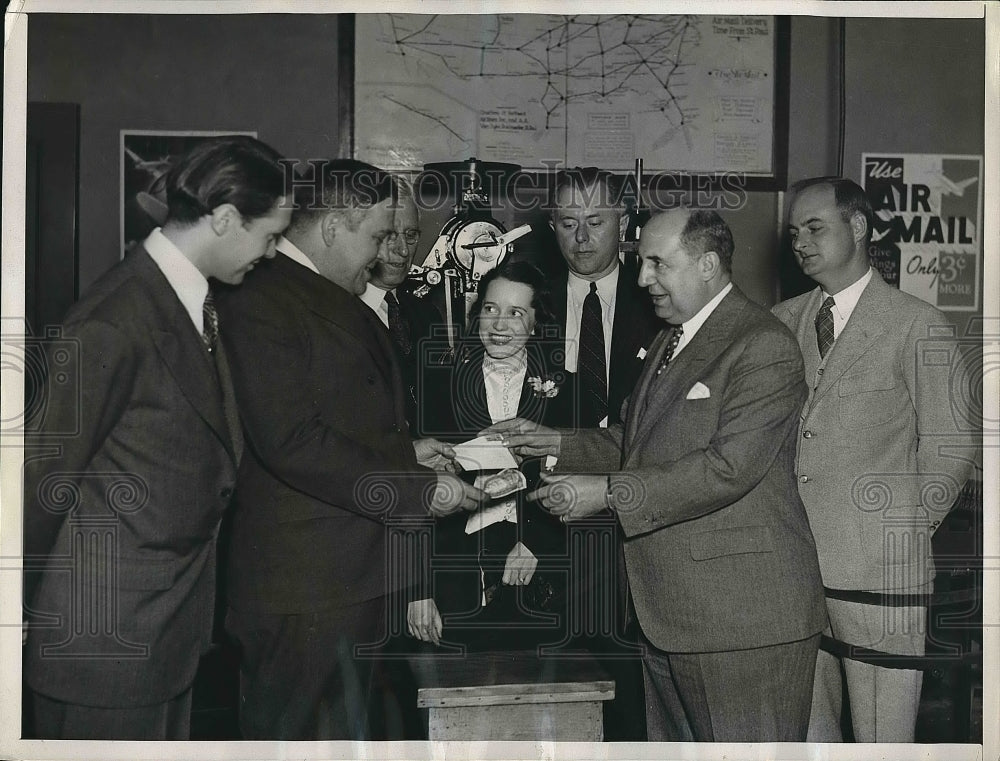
(913, 85)
(274, 74)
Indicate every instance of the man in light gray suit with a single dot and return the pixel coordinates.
(720, 561)
(880, 455)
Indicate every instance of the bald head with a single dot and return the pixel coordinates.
(686, 257)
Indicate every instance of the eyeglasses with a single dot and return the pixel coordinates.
(412, 237)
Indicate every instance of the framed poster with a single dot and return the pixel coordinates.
(927, 234)
(146, 156)
(691, 94)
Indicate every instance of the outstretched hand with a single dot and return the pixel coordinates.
(572, 496)
(435, 454)
(525, 438)
(452, 494)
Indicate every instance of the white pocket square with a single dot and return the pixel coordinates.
(699, 391)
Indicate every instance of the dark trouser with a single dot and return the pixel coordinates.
(55, 720)
(300, 678)
(758, 695)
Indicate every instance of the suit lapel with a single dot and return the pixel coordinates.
(805, 332)
(866, 324)
(559, 307)
(333, 304)
(687, 367)
(468, 394)
(640, 395)
(182, 350)
(532, 406)
(623, 333)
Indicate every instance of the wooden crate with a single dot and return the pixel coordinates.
(512, 696)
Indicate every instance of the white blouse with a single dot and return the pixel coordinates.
(504, 379)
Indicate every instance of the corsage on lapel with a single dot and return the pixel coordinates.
(544, 388)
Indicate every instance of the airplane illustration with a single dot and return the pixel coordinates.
(155, 167)
(949, 187)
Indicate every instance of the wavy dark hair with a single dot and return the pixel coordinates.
(237, 169)
(522, 272)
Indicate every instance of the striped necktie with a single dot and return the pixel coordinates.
(592, 363)
(824, 326)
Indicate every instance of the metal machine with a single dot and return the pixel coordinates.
(470, 243)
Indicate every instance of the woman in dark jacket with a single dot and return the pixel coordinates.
(495, 583)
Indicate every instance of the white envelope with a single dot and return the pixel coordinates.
(483, 454)
(699, 391)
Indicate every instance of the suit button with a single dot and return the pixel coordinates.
(820, 371)
(371, 380)
(226, 492)
(804, 479)
(807, 434)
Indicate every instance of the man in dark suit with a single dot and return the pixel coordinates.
(589, 221)
(607, 325)
(879, 420)
(411, 321)
(718, 551)
(330, 469)
(127, 508)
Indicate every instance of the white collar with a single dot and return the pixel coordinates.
(184, 278)
(374, 296)
(510, 365)
(693, 325)
(293, 252)
(847, 298)
(607, 286)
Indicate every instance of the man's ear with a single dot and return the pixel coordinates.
(224, 217)
(328, 227)
(859, 227)
(710, 264)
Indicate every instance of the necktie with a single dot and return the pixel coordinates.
(210, 337)
(668, 354)
(210, 318)
(824, 326)
(398, 327)
(591, 363)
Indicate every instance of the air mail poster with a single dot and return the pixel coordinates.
(926, 236)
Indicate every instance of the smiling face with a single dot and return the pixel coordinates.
(354, 252)
(678, 282)
(588, 230)
(826, 246)
(247, 242)
(391, 270)
(507, 318)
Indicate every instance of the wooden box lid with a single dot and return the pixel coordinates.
(508, 678)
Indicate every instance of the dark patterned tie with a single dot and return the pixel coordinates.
(824, 326)
(668, 353)
(210, 337)
(591, 362)
(398, 327)
(210, 318)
